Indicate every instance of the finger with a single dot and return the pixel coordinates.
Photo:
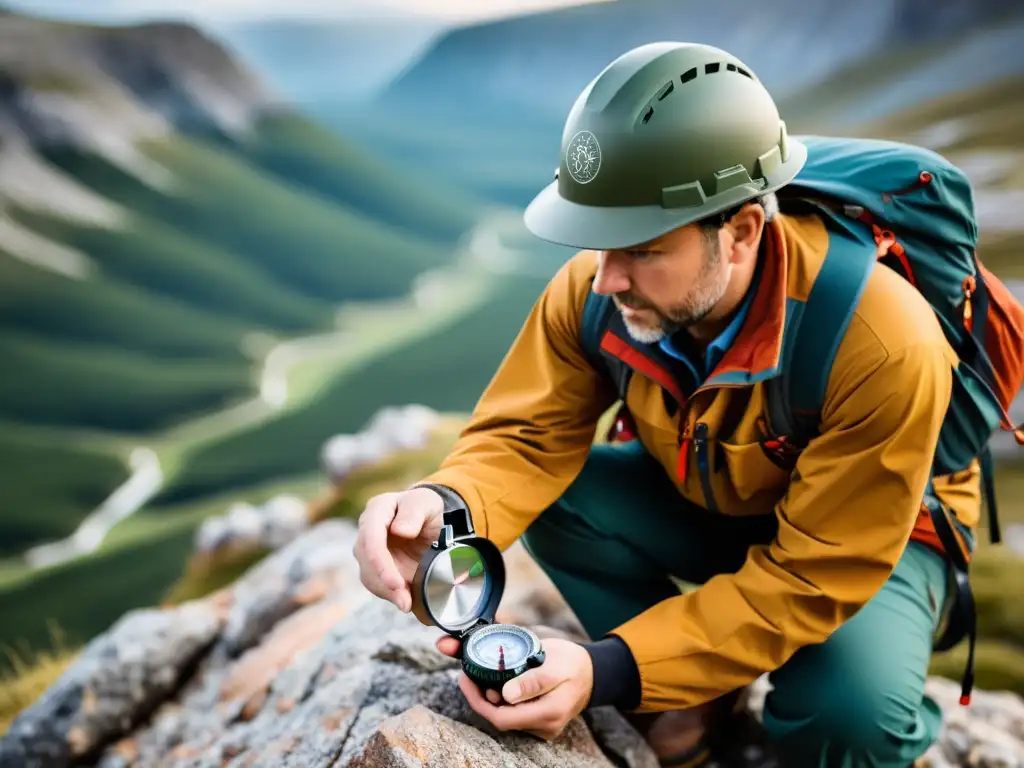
(538, 714)
(530, 685)
(410, 516)
(448, 645)
(476, 700)
(376, 558)
(493, 696)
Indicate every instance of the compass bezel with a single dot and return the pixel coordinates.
(493, 588)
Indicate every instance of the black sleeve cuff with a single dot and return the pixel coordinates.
(616, 677)
(456, 512)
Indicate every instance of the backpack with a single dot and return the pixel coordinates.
(915, 209)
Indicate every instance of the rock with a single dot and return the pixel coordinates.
(315, 565)
(284, 518)
(270, 525)
(296, 665)
(116, 681)
(391, 429)
(1013, 537)
(421, 737)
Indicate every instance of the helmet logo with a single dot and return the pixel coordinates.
(583, 157)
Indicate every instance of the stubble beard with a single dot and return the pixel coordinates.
(698, 303)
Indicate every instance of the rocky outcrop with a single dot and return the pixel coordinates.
(270, 525)
(390, 430)
(297, 665)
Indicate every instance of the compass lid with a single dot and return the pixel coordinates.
(459, 582)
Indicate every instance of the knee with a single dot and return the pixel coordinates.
(859, 722)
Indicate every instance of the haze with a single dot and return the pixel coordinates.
(232, 10)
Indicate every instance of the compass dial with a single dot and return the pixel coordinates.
(501, 648)
(499, 652)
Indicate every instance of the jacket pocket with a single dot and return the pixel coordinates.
(755, 479)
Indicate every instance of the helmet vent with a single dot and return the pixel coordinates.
(648, 114)
(688, 75)
(666, 90)
(709, 68)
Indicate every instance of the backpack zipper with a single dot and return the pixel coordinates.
(704, 465)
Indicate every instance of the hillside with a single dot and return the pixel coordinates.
(277, 655)
(542, 61)
(165, 218)
(490, 99)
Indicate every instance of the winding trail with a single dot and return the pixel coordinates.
(481, 251)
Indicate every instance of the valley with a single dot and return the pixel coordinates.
(199, 285)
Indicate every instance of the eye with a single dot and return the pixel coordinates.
(639, 254)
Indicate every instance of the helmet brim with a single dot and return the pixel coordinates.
(551, 217)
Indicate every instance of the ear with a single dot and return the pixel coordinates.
(745, 230)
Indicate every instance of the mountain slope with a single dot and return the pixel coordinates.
(164, 219)
(542, 61)
(508, 85)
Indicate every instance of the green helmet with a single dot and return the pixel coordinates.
(667, 134)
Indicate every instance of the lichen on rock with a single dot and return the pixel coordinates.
(297, 665)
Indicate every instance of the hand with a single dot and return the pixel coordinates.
(395, 530)
(541, 701)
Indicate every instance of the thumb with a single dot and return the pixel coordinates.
(529, 685)
(448, 645)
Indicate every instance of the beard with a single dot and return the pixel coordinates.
(700, 300)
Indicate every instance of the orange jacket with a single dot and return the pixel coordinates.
(844, 517)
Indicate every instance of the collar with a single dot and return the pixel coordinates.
(720, 345)
(756, 352)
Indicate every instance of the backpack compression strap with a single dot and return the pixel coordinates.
(796, 396)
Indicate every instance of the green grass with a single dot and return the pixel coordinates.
(369, 332)
(132, 569)
(301, 151)
(58, 383)
(269, 238)
(446, 370)
(47, 487)
(298, 239)
(92, 314)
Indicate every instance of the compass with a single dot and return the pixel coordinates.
(458, 587)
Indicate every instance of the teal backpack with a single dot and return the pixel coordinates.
(914, 211)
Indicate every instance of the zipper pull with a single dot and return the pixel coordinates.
(684, 454)
(702, 434)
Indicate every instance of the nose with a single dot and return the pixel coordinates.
(612, 273)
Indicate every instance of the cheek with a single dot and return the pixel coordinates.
(667, 282)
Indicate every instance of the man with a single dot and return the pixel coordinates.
(821, 576)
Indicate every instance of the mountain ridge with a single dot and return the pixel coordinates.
(806, 44)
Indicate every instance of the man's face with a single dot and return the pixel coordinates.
(665, 285)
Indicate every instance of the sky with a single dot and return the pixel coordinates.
(456, 11)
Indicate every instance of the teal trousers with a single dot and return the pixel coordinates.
(621, 529)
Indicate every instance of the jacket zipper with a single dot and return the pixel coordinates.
(704, 465)
(684, 451)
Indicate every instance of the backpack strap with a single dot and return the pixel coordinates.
(597, 310)
(795, 397)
